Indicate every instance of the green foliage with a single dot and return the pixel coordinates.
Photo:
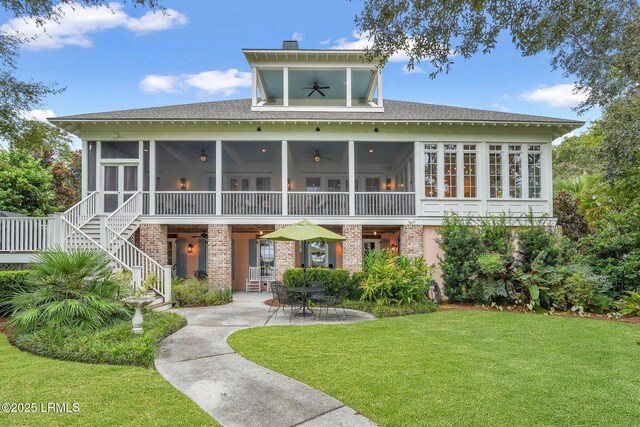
(115, 344)
(11, 282)
(570, 220)
(25, 185)
(69, 289)
(578, 155)
(613, 250)
(392, 279)
(629, 305)
(381, 311)
(533, 238)
(332, 278)
(198, 293)
(621, 131)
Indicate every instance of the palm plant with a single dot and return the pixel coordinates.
(76, 289)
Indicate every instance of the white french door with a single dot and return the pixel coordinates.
(120, 181)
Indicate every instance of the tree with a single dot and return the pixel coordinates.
(595, 41)
(17, 96)
(45, 142)
(578, 155)
(66, 178)
(25, 185)
(621, 130)
(570, 220)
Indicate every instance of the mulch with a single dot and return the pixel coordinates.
(520, 309)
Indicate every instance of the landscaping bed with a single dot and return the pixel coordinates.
(390, 311)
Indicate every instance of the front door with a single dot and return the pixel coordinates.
(120, 183)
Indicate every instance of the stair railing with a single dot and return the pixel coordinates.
(120, 219)
(83, 211)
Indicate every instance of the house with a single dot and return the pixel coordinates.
(182, 188)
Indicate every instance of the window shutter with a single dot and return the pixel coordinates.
(332, 254)
(253, 253)
(181, 262)
(202, 255)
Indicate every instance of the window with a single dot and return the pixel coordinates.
(263, 183)
(372, 184)
(534, 158)
(431, 170)
(495, 171)
(313, 184)
(239, 184)
(266, 257)
(334, 185)
(450, 170)
(318, 254)
(515, 171)
(470, 170)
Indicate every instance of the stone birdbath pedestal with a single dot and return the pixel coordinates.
(137, 303)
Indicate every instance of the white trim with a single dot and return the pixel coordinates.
(284, 162)
(547, 176)
(348, 89)
(84, 170)
(524, 159)
(140, 165)
(352, 178)
(482, 176)
(460, 171)
(440, 170)
(219, 182)
(152, 177)
(418, 172)
(285, 90)
(380, 102)
(506, 194)
(318, 109)
(254, 86)
(99, 204)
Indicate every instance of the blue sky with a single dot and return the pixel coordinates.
(129, 58)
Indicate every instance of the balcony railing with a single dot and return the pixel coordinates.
(386, 204)
(318, 203)
(252, 203)
(25, 234)
(182, 203)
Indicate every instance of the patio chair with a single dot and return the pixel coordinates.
(275, 296)
(331, 301)
(285, 299)
(253, 282)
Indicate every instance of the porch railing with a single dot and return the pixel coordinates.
(82, 212)
(386, 204)
(182, 203)
(318, 203)
(251, 203)
(126, 214)
(25, 234)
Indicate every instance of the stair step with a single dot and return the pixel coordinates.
(164, 306)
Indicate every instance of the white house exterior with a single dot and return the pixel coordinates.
(193, 186)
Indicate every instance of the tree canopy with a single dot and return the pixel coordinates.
(25, 185)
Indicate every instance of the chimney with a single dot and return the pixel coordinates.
(290, 45)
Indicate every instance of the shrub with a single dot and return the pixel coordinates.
(391, 279)
(11, 282)
(629, 305)
(570, 220)
(390, 310)
(490, 281)
(533, 239)
(75, 289)
(114, 344)
(332, 279)
(198, 293)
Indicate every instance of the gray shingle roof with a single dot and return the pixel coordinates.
(240, 109)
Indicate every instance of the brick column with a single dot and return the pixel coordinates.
(153, 242)
(412, 240)
(285, 255)
(219, 255)
(352, 247)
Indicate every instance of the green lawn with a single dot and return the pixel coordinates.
(107, 395)
(469, 368)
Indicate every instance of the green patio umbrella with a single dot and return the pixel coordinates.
(304, 231)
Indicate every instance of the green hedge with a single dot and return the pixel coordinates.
(390, 310)
(198, 293)
(116, 344)
(333, 279)
(11, 282)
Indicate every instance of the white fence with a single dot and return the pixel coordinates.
(318, 203)
(386, 204)
(251, 203)
(182, 203)
(25, 234)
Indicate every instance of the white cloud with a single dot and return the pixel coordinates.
(76, 23)
(39, 115)
(297, 36)
(224, 82)
(155, 83)
(560, 95)
(500, 107)
(325, 42)
(559, 140)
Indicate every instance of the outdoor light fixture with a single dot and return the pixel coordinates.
(264, 150)
(261, 232)
(394, 247)
(388, 184)
(317, 156)
(259, 129)
(189, 248)
(318, 129)
(375, 129)
(289, 184)
(183, 183)
(370, 150)
(203, 156)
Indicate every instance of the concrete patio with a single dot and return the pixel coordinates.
(236, 392)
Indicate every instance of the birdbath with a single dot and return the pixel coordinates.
(137, 303)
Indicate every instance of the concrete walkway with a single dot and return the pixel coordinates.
(236, 392)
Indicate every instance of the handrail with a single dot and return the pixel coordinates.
(77, 239)
(83, 211)
(25, 234)
(120, 219)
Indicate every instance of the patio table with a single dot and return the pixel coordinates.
(304, 292)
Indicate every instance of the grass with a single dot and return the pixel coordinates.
(390, 310)
(106, 394)
(464, 368)
(115, 344)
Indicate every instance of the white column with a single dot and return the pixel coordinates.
(460, 170)
(85, 169)
(380, 104)
(285, 87)
(254, 86)
(348, 87)
(505, 171)
(482, 176)
(440, 167)
(218, 177)
(99, 205)
(285, 178)
(524, 161)
(140, 165)
(152, 177)
(418, 171)
(352, 178)
(547, 176)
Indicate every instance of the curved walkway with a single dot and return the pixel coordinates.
(236, 392)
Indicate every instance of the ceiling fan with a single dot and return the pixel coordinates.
(203, 235)
(316, 88)
(317, 157)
